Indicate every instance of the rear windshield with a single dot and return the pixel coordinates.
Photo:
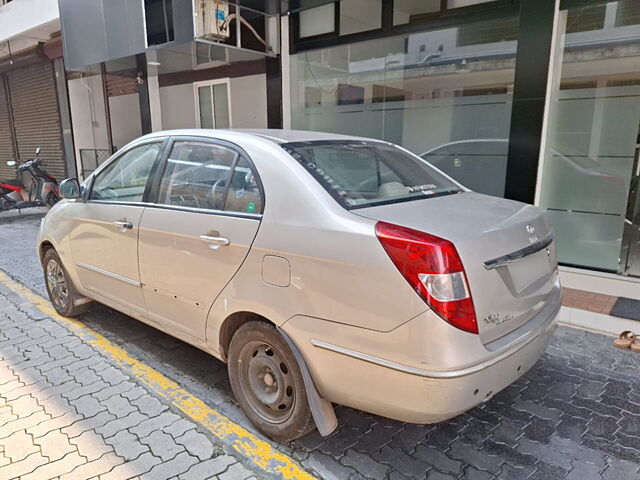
(362, 174)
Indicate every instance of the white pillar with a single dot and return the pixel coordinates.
(154, 91)
(553, 87)
(286, 72)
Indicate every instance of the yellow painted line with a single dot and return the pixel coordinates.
(256, 451)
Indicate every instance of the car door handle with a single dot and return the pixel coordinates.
(125, 225)
(215, 242)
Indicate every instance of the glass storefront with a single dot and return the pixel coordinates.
(591, 156)
(444, 94)
(447, 94)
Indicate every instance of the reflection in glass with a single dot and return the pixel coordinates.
(196, 175)
(360, 15)
(592, 133)
(464, 3)
(427, 91)
(408, 11)
(317, 21)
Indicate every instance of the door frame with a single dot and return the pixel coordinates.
(629, 237)
(211, 83)
(164, 142)
(151, 200)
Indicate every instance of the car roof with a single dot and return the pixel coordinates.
(278, 136)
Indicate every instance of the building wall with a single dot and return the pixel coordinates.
(248, 103)
(178, 106)
(125, 119)
(88, 116)
(87, 113)
(24, 22)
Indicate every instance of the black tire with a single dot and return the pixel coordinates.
(33, 193)
(63, 295)
(51, 199)
(267, 383)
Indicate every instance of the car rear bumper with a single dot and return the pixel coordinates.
(413, 394)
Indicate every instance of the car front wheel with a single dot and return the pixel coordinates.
(63, 295)
(267, 382)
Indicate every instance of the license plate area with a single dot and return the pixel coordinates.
(527, 270)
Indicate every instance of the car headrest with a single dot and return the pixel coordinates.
(392, 189)
(200, 155)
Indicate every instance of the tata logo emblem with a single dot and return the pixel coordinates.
(531, 230)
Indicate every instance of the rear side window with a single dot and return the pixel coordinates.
(125, 179)
(244, 192)
(362, 174)
(209, 176)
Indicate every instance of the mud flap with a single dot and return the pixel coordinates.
(321, 409)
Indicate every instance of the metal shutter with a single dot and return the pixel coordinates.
(6, 145)
(36, 118)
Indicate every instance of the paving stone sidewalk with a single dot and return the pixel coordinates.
(66, 412)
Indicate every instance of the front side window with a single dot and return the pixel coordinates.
(361, 174)
(125, 179)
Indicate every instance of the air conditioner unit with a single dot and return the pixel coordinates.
(210, 19)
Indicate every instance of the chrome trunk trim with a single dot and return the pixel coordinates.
(518, 254)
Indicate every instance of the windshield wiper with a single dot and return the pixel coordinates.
(442, 193)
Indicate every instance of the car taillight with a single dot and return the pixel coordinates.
(434, 270)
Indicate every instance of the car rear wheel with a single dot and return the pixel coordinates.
(267, 382)
(64, 297)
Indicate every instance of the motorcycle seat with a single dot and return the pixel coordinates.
(11, 181)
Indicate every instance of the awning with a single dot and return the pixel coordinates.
(95, 31)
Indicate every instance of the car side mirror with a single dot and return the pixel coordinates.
(70, 188)
(11, 163)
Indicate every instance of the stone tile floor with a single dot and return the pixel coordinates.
(66, 412)
(575, 415)
(592, 302)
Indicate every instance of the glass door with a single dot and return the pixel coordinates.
(631, 238)
(590, 159)
(212, 99)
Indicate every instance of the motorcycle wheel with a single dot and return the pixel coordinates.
(51, 199)
(32, 191)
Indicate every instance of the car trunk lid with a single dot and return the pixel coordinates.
(506, 247)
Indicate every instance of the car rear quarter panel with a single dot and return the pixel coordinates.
(339, 270)
(354, 382)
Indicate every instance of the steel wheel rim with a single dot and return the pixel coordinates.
(267, 382)
(57, 284)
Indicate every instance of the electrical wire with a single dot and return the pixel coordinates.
(233, 16)
(328, 92)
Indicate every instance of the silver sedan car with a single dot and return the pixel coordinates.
(322, 268)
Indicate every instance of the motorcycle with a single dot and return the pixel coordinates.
(43, 188)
